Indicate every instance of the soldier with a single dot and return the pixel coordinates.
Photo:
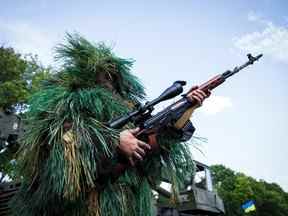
(67, 146)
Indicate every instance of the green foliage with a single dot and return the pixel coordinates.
(13, 89)
(20, 77)
(12, 65)
(236, 188)
(13, 92)
(36, 74)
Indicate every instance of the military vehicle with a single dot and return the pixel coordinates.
(10, 129)
(197, 196)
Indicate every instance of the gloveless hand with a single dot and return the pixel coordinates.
(196, 94)
(131, 147)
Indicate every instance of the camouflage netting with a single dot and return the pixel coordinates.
(60, 164)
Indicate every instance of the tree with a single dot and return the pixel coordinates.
(236, 188)
(20, 77)
(13, 88)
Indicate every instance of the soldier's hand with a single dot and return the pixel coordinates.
(196, 94)
(131, 147)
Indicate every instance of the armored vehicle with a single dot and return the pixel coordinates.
(197, 196)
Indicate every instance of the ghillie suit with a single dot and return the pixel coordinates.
(67, 141)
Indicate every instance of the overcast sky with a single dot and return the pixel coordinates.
(245, 120)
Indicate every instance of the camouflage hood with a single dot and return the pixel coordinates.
(83, 63)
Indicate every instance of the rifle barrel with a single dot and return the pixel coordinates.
(251, 60)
